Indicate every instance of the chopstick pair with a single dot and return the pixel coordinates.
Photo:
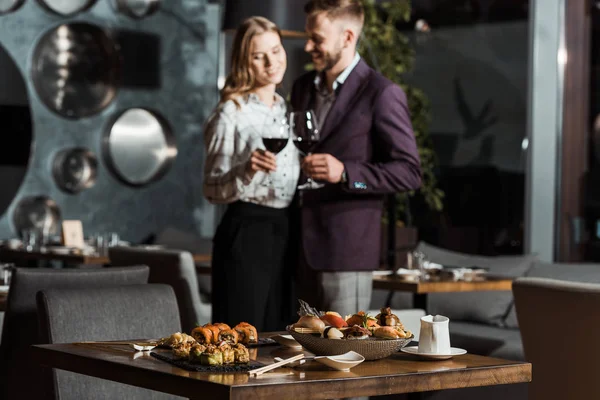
(117, 342)
(262, 370)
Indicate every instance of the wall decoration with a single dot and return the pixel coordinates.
(74, 169)
(40, 213)
(136, 8)
(66, 7)
(7, 6)
(139, 146)
(165, 66)
(76, 68)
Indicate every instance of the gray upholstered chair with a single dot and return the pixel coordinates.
(172, 267)
(20, 328)
(560, 328)
(121, 312)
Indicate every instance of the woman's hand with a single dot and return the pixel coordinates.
(261, 160)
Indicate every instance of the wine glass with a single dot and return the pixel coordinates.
(306, 135)
(275, 135)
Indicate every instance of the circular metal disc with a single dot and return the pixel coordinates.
(7, 6)
(139, 147)
(76, 69)
(137, 8)
(67, 7)
(75, 169)
(37, 212)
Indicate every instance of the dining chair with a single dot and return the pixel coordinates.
(172, 267)
(20, 328)
(560, 327)
(104, 314)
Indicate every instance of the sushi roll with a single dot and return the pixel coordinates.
(176, 339)
(215, 332)
(222, 326)
(229, 335)
(247, 333)
(228, 353)
(241, 354)
(203, 335)
(196, 352)
(182, 351)
(212, 356)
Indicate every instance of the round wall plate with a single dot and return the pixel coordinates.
(137, 8)
(8, 6)
(76, 69)
(37, 212)
(74, 169)
(66, 7)
(139, 146)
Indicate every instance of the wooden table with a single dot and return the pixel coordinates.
(420, 289)
(202, 258)
(399, 373)
(20, 256)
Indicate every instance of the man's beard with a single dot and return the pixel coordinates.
(330, 60)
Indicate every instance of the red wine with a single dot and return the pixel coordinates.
(305, 146)
(274, 145)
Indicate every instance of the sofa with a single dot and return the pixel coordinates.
(485, 323)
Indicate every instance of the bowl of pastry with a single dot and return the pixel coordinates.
(330, 334)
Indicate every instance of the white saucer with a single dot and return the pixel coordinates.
(414, 350)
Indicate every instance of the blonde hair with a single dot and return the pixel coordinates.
(241, 79)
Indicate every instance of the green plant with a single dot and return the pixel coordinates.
(387, 50)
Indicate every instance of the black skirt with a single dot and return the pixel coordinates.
(251, 267)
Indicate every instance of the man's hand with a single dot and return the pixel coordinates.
(323, 167)
(261, 160)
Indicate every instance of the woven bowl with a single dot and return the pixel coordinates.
(370, 349)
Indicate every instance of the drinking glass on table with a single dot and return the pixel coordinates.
(275, 136)
(305, 131)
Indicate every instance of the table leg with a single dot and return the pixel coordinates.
(420, 301)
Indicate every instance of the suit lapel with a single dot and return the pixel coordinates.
(349, 93)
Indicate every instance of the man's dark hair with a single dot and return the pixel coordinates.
(335, 9)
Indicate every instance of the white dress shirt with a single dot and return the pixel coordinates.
(231, 134)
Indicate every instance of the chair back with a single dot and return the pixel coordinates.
(113, 313)
(171, 267)
(560, 329)
(20, 328)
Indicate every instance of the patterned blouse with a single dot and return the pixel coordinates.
(230, 137)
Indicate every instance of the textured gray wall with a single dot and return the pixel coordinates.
(188, 32)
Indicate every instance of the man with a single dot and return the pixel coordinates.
(367, 149)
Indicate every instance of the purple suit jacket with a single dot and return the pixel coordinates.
(368, 128)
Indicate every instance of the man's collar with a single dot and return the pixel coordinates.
(341, 77)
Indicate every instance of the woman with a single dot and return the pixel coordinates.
(251, 280)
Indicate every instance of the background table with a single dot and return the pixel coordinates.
(420, 289)
(21, 256)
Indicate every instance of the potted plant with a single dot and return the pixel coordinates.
(389, 51)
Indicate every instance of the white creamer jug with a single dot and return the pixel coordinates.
(434, 335)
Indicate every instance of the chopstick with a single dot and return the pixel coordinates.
(141, 342)
(262, 370)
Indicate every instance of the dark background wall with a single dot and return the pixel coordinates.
(186, 33)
